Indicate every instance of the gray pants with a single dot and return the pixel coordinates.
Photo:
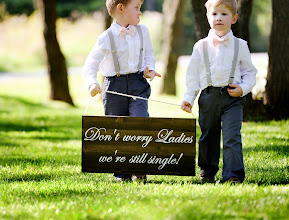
(218, 111)
(131, 84)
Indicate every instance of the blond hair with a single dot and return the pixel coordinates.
(232, 5)
(111, 5)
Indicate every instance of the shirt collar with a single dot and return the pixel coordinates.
(116, 28)
(212, 35)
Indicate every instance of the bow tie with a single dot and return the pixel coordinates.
(125, 31)
(225, 41)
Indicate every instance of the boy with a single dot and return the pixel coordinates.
(125, 55)
(221, 67)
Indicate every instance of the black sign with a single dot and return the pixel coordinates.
(158, 146)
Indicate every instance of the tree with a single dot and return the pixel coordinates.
(107, 19)
(173, 17)
(253, 109)
(277, 89)
(150, 5)
(57, 70)
(241, 28)
(202, 26)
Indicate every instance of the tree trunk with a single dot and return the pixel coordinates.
(202, 26)
(241, 28)
(253, 109)
(173, 32)
(107, 19)
(150, 5)
(55, 60)
(277, 89)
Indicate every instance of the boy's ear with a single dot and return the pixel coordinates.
(119, 8)
(235, 18)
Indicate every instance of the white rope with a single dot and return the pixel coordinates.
(87, 105)
(138, 97)
(134, 97)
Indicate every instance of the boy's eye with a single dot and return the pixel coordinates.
(214, 13)
(224, 14)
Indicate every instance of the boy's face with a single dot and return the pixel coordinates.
(220, 19)
(132, 12)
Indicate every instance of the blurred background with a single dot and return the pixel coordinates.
(81, 21)
(54, 37)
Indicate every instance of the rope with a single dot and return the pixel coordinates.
(134, 98)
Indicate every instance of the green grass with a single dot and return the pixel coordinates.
(40, 166)
(40, 146)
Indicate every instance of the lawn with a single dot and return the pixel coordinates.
(40, 146)
(41, 178)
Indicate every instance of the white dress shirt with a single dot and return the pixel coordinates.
(220, 59)
(128, 53)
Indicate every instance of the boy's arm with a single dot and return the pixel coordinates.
(248, 70)
(192, 77)
(92, 63)
(149, 55)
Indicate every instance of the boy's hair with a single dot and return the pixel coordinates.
(111, 5)
(232, 5)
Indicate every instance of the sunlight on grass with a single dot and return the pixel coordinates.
(40, 145)
(40, 165)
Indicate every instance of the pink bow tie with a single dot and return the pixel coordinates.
(225, 41)
(125, 31)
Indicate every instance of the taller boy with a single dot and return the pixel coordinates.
(125, 55)
(221, 67)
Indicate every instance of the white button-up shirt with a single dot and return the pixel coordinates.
(128, 53)
(220, 59)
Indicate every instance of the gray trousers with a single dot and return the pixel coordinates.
(219, 112)
(131, 84)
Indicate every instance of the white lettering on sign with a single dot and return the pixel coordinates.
(165, 136)
(134, 138)
(93, 134)
(164, 161)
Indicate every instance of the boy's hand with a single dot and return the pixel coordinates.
(235, 90)
(150, 74)
(187, 107)
(94, 89)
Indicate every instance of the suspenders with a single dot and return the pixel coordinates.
(234, 62)
(114, 51)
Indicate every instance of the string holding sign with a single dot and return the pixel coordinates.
(133, 97)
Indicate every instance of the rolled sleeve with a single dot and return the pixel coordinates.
(92, 62)
(149, 55)
(192, 77)
(248, 71)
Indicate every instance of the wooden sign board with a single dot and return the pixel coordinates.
(157, 146)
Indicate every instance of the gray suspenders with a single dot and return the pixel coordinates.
(207, 63)
(114, 51)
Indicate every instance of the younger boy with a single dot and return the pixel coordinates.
(221, 67)
(125, 56)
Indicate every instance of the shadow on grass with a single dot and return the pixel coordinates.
(21, 126)
(29, 177)
(267, 176)
(281, 150)
(19, 100)
(53, 161)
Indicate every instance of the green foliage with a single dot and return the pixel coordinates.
(40, 166)
(19, 6)
(65, 7)
(260, 25)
